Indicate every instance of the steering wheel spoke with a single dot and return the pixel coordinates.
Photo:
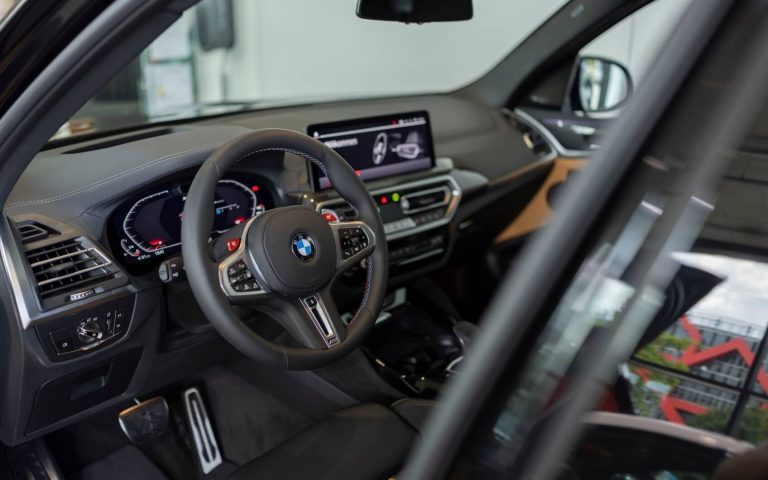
(355, 240)
(236, 279)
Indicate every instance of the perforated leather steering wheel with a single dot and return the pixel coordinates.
(286, 260)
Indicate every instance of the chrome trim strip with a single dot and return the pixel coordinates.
(79, 272)
(62, 257)
(331, 338)
(98, 255)
(13, 276)
(11, 13)
(549, 136)
(662, 427)
(450, 367)
(442, 188)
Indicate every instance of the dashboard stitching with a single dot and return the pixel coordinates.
(152, 163)
(110, 179)
(368, 279)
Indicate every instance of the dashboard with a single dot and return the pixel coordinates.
(146, 228)
(117, 202)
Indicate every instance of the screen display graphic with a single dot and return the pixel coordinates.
(378, 147)
(146, 229)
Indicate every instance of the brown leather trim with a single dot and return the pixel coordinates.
(538, 212)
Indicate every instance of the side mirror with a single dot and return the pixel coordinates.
(600, 85)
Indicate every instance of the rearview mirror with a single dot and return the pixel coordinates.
(415, 11)
(601, 85)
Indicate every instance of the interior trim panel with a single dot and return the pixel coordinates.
(538, 212)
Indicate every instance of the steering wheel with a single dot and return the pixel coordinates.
(283, 262)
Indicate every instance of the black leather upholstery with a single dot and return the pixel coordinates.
(414, 411)
(364, 442)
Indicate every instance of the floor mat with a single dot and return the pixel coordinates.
(127, 463)
(248, 421)
(87, 442)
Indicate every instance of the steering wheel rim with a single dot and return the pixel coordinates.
(284, 285)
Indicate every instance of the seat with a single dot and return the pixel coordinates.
(752, 465)
(364, 442)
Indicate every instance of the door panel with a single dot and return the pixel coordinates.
(539, 210)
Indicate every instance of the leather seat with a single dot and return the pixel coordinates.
(752, 465)
(364, 442)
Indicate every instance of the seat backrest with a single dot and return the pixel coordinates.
(752, 465)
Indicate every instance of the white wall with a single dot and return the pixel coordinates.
(307, 49)
(233, 74)
(319, 48)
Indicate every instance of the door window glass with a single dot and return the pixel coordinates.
(702, 369)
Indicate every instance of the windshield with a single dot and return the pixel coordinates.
(227, 55)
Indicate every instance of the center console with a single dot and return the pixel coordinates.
(413, 212)
(413, 346)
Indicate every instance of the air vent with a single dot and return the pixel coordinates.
(66, 267)
(425, 199)
(33, 231)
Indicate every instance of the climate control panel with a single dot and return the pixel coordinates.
(415, 215)
(406, 209)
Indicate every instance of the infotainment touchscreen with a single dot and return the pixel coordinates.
(378, 147)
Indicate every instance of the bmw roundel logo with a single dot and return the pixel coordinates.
(303, 247)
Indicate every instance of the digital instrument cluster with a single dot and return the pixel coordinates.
(148, 227)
